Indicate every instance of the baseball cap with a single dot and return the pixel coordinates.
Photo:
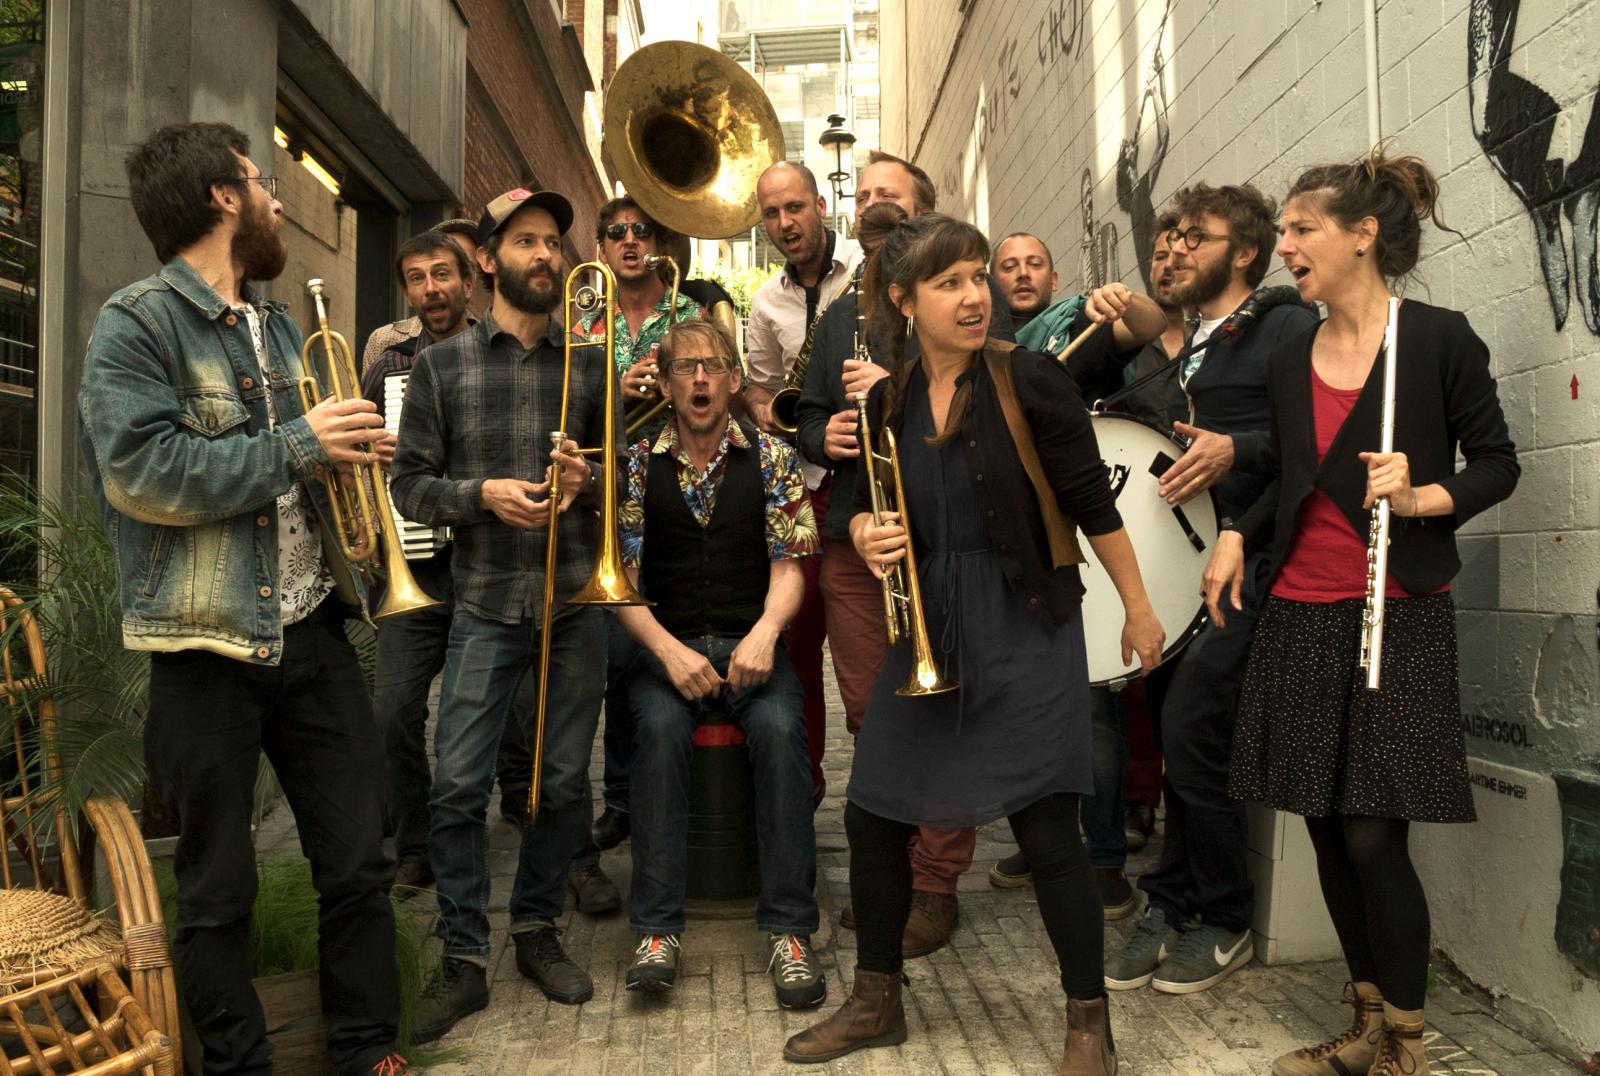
(501, 209)
(458, 226)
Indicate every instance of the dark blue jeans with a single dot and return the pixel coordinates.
(622, 655)
(485, 662)
(1103, 830)
(772, 717)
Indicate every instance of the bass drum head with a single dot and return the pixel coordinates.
(1172, 544)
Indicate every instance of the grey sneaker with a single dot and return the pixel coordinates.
(655, 964)
(1136, 963)
(796, 979)
(1203, 956)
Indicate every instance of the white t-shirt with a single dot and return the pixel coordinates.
(1202, 333)
(303, 577)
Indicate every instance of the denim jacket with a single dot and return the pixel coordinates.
(172, 420)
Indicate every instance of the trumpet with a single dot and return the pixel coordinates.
(609, 583)
(902, 592)
(362, 520)
(645, 410)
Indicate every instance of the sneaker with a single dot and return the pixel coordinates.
(1011, 872)
(460, 989)
(593, 893)
(655, 964)
(541, 958)
(1138, 823)
(610, 829)
(1117, 899)
(1136, 962)
(796, 979)
(411, 876)
(1203, 956)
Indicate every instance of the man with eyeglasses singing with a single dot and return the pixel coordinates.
(715, 524)
(1196, 929)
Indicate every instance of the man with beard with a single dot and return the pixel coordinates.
(1196, 928)
(437, 279)
(473, 455)
(891, 189)
(464, 234)
(713, 489)
(783, 318)
(205, 466)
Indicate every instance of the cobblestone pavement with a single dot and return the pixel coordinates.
(990, 1002)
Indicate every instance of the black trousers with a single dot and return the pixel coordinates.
(1204, 870)
(210, 719)
(1046, 830)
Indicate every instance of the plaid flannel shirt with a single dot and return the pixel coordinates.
(478, 406)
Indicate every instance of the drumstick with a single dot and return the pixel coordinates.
(1066, 352)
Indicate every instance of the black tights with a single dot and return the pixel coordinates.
(1376, 901)
(1047, 831)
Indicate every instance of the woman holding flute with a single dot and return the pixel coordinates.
(1361, 765)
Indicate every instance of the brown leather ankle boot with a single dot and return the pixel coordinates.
(1089, 1051)
(871, 1016)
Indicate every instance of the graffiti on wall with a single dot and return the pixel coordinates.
(1097, 256)
(1136, 185)
(1514, 121)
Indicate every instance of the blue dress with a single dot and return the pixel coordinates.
(1017, 729)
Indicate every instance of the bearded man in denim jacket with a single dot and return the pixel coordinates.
(205, 465)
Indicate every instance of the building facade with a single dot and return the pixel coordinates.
(1075, 120)
(379, 120)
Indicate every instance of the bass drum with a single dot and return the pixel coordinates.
(1173, 544)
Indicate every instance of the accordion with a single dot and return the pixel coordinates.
(417, 541)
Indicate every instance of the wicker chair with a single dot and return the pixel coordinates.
(54, 950)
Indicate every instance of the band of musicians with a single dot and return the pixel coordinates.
(1072, 551)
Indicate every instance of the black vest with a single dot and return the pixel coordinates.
(710, 579)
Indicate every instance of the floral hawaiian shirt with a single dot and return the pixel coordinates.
(791, 527)
(630, 347)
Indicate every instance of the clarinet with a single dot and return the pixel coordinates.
(1378, 528)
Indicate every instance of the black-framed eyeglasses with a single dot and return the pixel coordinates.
(641, 230)
(1193, 237)
(684, 367)
(268, 183)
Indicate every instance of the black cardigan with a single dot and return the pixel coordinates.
(1444, 398)
(1002, 493)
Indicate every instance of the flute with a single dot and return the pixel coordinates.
(1378, 529)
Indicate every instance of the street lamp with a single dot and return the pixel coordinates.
(838, 139)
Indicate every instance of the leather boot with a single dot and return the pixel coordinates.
(933, 917)
(1401, 1052)
(871, 1016)
(1353, 1050)
(1089, 1051)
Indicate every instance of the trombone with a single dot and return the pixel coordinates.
(361, 520)
(609, 584)
(902, 592)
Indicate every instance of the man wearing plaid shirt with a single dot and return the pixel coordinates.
(474, 448)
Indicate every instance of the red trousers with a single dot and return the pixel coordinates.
(1144, 757)
(852, 599)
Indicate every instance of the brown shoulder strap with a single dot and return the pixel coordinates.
(1057, 527)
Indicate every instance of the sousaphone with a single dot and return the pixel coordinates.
(689, 133)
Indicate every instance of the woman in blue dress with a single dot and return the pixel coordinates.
(999, 463)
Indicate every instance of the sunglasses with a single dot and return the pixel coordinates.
(1193, 237)
(684, 367)
(615, 232)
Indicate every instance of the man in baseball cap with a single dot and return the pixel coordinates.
(503, 208)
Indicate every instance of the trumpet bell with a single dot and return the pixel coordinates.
(690, 132)
(924, 679)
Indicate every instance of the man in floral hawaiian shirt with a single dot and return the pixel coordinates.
(715, 523)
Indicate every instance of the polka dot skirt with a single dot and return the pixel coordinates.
(1311, 739)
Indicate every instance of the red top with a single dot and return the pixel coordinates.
(1328, 561)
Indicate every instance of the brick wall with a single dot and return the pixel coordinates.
(1012, 104)
(525, 115)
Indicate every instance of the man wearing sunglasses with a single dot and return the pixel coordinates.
(715, 526)
(1196, 929)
